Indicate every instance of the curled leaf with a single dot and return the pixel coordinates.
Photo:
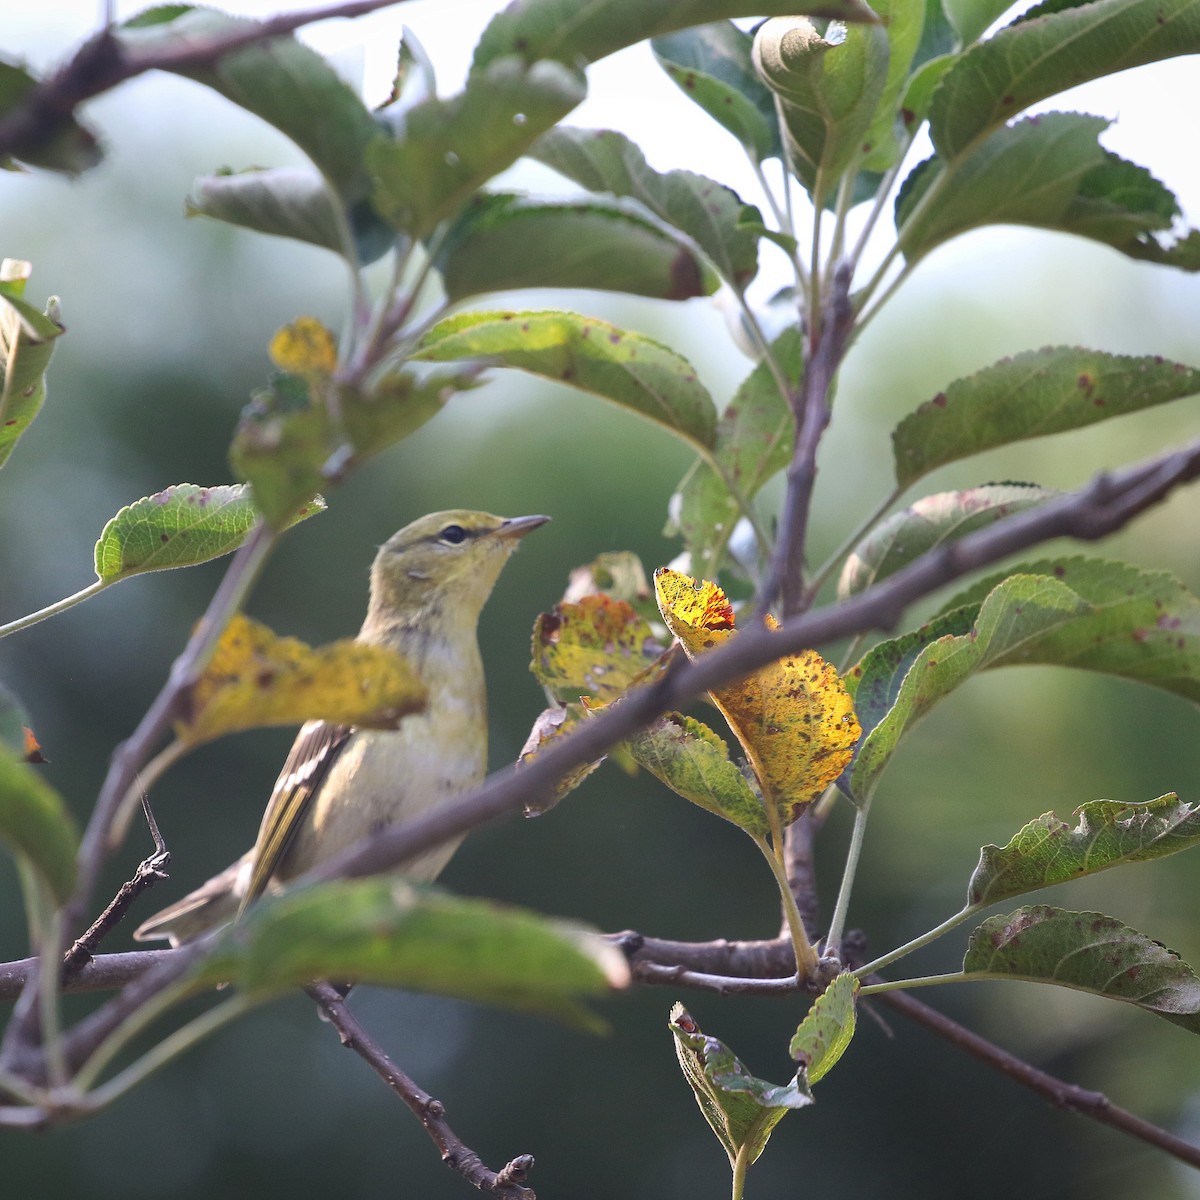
(553, 724)
(256, 679)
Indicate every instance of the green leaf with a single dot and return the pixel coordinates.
(589, 354)
(693, 761)
(502, 242)
(59, 142)
(903, 23)
(741, 1109)
(13, 723)
(1089, 952)
(712, 215)
(930, 522)
(387, 931)
(291, 202)
(179, 527)
(281, 80)
(1108, 834)
(35, 824)
(1016, 612)
(918, 93)
(1033, 59)
(27, 340)
(450, 148)
(754, 441)
(972, 18)
(286, 440)
(1030, 395)
(587, 30)
(596, 646)
(825, 1033)
(1141, 625)
(828, 90)
(712, 66)
(1050, 172)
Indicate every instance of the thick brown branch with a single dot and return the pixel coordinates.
(506, 1183)
(103, 62)
(104, 973)
(1060, 1093)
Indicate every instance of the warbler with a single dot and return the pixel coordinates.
(429, 583)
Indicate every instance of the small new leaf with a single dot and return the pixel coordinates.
(794, 718)
(741, 1109)
(1108, 833)
(1089, 952)
(35, 824)
(827, 1029)
(694, 762)
(256, 679)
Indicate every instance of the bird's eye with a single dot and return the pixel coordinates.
(454, 534)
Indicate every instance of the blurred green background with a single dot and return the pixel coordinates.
(168, 323)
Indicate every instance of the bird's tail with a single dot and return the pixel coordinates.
(212, 904)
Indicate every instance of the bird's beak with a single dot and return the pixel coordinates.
(518, 527)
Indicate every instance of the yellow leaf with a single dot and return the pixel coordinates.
(305, 347)
(794, 718)
(256, 678)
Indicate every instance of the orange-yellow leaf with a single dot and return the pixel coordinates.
(794, 718)
(256, 678)
(305, 347)
(595, 647)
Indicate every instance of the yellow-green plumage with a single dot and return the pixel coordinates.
(429, 583)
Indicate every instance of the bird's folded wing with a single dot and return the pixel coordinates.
(313, 753)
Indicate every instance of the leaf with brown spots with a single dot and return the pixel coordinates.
(827, 1029)
(178, 527)
(596, 647)
(256, 679)
(794, 718)
(552, 725)
(627, 368)
(1089, 952)
(1030, 395)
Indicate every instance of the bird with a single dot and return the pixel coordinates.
(339, 784)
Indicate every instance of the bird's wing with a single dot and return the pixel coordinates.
(314, 751)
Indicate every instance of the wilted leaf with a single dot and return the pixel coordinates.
(502, 242)
(930, 522)
(27, 340)
(305, 347)
(597, 647)
(386, 931)
(551, 725)
(619, 574)
(256, 678)
(35, 824)
(1089, 952)
(794, 718)
(694, 762)
(711, 214)
(1032, 394)
(586, 353)
(828, 90)
(826, 1031)
(179, 527)
(1049, 851)
(741, 1109)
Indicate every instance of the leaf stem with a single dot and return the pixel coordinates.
(143, 781)
(837, 923)
(924, 940)
(895, 985)
(806, 955)
(52, 610)
(823, 572)
(741, 1164)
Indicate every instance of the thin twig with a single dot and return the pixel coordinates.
(1073, 1098)
(104, 61)
(507, 1182)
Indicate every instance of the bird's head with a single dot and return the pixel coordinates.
(443, 566)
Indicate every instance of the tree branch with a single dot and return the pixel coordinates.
(506, 1183)
(103, 62)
